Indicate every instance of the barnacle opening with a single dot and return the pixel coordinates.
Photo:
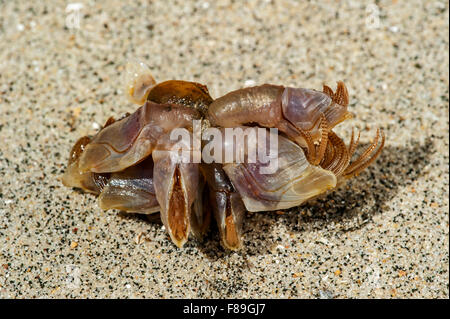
(177, 210)
(231, 235)
(138, 81)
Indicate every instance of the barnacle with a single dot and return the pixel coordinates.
(130, 163)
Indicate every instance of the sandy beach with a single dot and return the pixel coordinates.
(385, 234)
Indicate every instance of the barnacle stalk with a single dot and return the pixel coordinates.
(227, 205)
(138, 81)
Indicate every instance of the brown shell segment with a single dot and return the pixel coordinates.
(185, 93)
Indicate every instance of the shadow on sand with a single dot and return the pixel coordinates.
(349, 207)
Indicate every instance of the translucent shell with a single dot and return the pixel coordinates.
(176, 187)
(139, 81)
(130, 140)
(73, 177)
(304, 107)
(293, 182)
(227, 205)
(131, 190)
